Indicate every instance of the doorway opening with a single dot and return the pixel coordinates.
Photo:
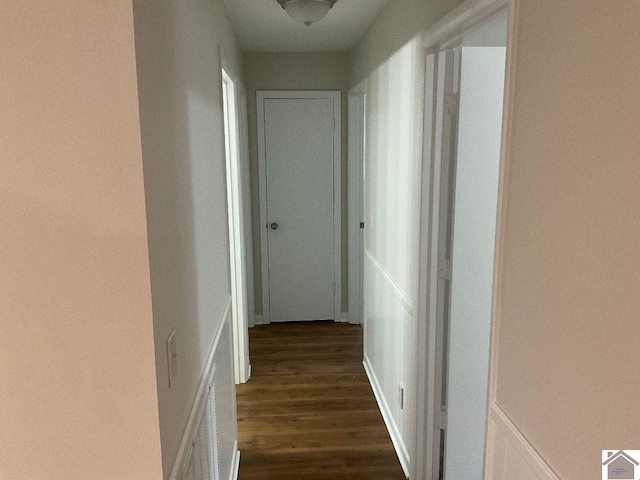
(357, 104)
(464, 104)
(237, 217)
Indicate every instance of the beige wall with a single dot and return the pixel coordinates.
(294, 71)
(399, 22)
(78, 396)
(179, 78)
(568, 363)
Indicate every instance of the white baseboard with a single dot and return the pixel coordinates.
(235, 467)
(394, 432)
(509, 453)
(259, 320)
(202, 394)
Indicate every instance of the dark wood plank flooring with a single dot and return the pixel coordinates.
(308, 412)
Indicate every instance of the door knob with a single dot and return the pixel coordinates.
(274, 226)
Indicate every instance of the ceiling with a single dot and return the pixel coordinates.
(263, 26)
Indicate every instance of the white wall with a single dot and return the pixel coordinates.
(294, 71)
(568, 300)
(179, 78)
(78, 397)
(393, 169)
(397, 24)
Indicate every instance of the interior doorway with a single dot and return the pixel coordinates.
(239, 261)
(357, 104)
(299, 158)
(465, 88)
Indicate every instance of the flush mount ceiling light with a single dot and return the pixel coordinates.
(307, 11)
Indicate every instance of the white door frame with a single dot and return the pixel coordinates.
(261, 96)
(237, 221)
(357, 144)
(245, 179)
(445, 33)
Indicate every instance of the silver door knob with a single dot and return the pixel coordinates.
(274, 226)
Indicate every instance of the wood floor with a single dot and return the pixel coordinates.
(308, 412)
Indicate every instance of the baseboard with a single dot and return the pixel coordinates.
(394, 432)
(235, 468)
(509, 453)
(344, 318)
(259, 320)
(190, 430)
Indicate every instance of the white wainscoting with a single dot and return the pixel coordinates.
(509, 454)
(209, 447)
(388, 311)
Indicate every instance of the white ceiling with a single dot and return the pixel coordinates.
(263, 26)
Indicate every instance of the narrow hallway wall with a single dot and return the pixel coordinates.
(392, 219)
(179, 78)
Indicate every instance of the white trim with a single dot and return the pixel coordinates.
(236, 212)
(245, 178)
(402, 297)
(336, 96)
(507, 123)
(509, 431)
(344, 317)
(235, 467)
(357, 98)
(191, 429)
(512, 37)
(394, 432)
(459, 21)
(428, 276)
(259, 320)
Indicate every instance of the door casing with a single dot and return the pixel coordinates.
(441, 36)
(357, 147)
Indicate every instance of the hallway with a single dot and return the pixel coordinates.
(308, 411)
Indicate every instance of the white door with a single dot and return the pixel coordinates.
(299, 219)
(471, 243)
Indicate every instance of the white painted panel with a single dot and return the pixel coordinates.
(509, 453)
(209, 446)
(299, 136)
(479, 136)
(393, 167)
(387, 314)
(225, 404)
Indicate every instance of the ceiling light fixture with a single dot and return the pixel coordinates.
(307, 11)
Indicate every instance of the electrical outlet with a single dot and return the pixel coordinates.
(401, 395)
(172, 358)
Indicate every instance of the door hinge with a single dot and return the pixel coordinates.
(444, 269)
(361, 224)
(451, 102)
(441, 420)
